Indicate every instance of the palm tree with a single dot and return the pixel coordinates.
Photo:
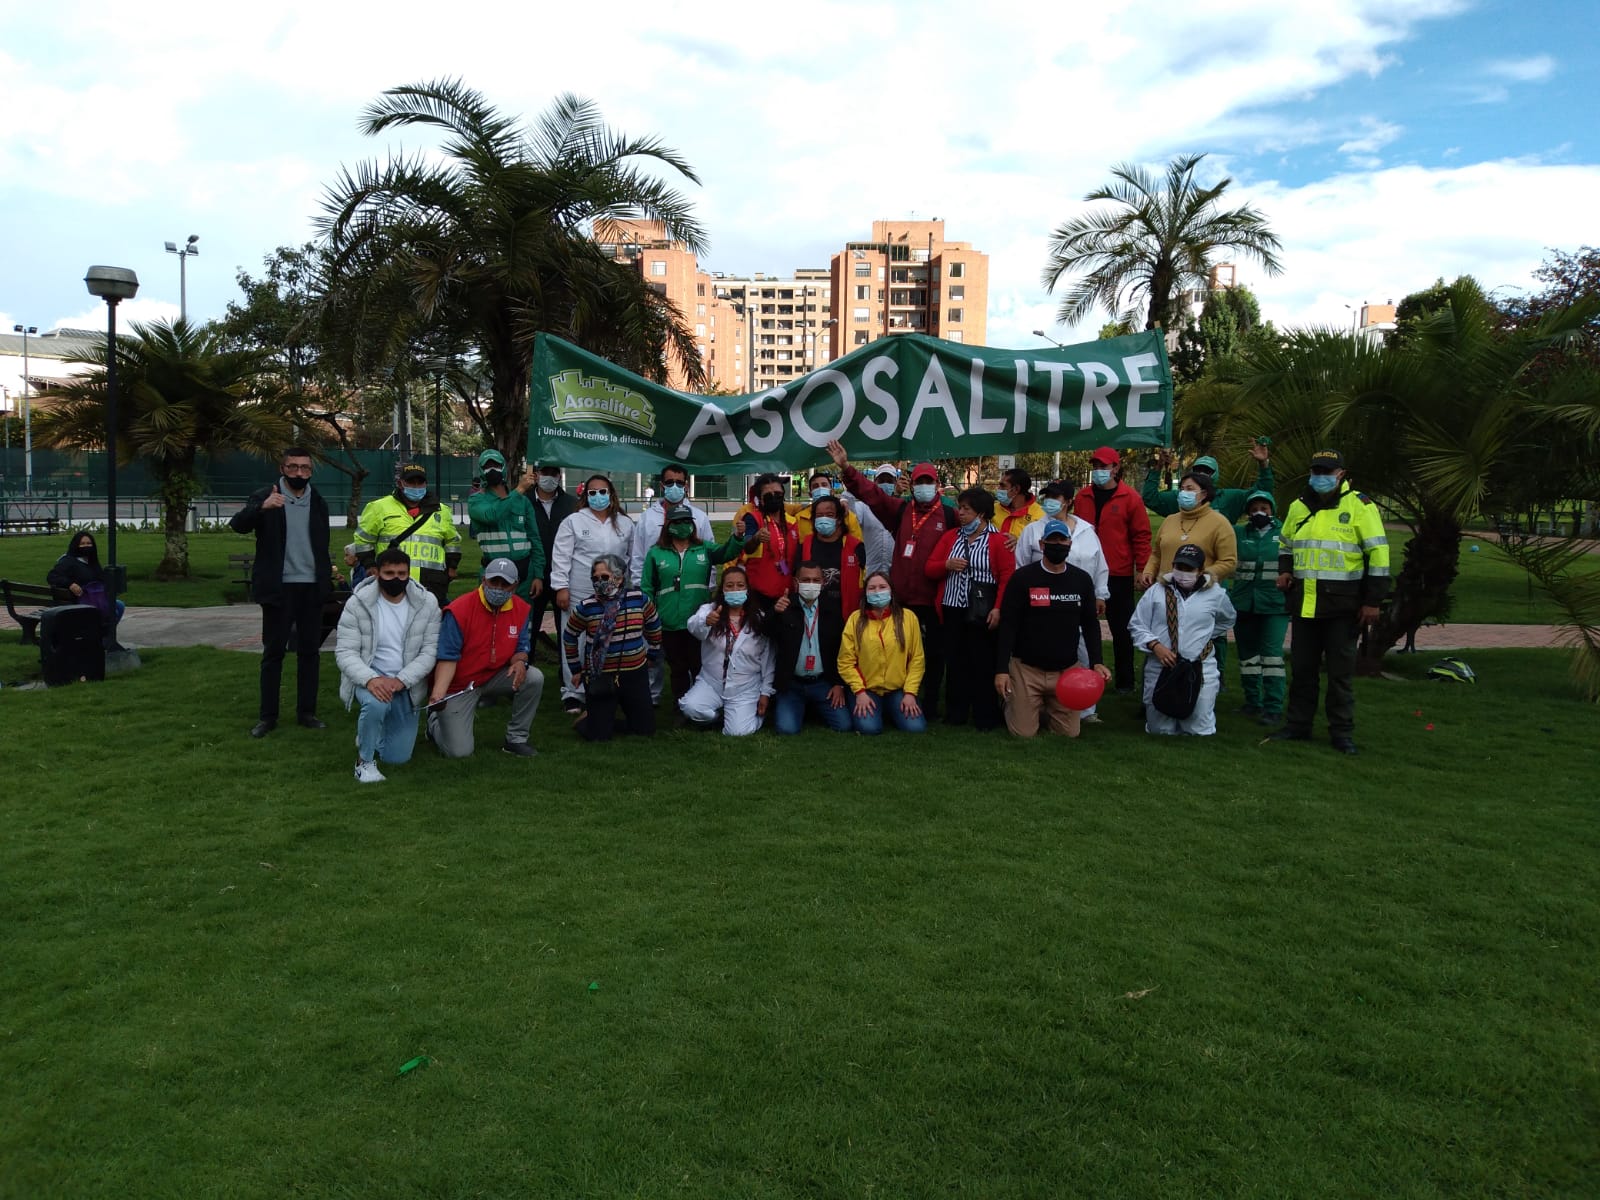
(180, 394)
(1160, 238)
(479, 252)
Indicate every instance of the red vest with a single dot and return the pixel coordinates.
(488, 639)
(851, 565)
(772, 574)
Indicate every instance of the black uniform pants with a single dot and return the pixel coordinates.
(932, 657)
(300, 607)
(1315, 641)
(541, 604)
(1119, 611)
(969, 654)
(627, 690)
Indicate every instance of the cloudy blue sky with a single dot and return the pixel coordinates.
(1388, 143)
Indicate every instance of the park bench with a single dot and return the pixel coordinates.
(241, 565)
(29, 525)
(35, 599)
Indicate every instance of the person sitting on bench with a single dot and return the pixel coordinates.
(78, 578)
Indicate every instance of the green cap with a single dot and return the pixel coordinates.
(1205, 463)
(1258, 494)
(491, 458)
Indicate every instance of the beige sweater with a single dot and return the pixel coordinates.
(1204, 527)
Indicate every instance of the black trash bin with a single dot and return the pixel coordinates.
(70, 644)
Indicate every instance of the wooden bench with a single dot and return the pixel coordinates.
(29, 525)
(242, 564)
(28, 595)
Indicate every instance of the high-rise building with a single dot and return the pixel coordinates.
(909, 279)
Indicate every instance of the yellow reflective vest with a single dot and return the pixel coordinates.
(1338, 553)
(433, 546)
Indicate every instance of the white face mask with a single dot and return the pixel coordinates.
(809, 591)
(1186, 579)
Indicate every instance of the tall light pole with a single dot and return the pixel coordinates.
(113, 285)
(1039, 333)
(189, 248)
(816, 340)
(1055, 469)
(27, 411)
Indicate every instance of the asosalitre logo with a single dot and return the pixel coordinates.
(577, 397)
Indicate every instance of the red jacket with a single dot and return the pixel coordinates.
(851, 565)
(488, 639)
(912, 526)
(1123, 526)
(771, 571)
(1001, 561)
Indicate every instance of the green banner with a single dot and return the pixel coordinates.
(904, 397)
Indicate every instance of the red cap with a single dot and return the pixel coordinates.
(922, 469)
(1106, 455)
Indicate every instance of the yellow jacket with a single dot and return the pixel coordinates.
(1338, 552)
(1012, 523)
(433, 546)
(800, 514)
(1205, 527)
(872, 659)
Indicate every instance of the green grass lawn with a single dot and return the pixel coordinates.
(706, 967)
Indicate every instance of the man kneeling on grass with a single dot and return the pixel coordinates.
(388, 635)
(483, 651)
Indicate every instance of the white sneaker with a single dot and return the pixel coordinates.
(367, 772)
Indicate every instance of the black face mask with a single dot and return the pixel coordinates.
(1055, 552)
(83, 552)
(1260, 520)
(297, 483)
(772, 503)
(392, 587)
(494, 478)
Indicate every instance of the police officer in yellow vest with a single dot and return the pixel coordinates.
(504, 524)
(1333, 560)
(432, 540)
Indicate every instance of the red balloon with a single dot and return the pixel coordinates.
(1079, 688)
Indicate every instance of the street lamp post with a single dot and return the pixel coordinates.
(816, 338)
(438, 427)
(1055, 469)
(189, 248)
(113, 285)
(26, 331)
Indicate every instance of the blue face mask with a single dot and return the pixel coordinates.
(1051, 507)
(1188, 500)
(414, 493)
(1323, 484)
(924, 492)
(599, 501)
(817, 493)
(1100, 478)
(1002, 497)
(496, 596)
(886, 488)
(972, 526)
(826, 527)
(735, 599)
(673, 492)
(879, 599)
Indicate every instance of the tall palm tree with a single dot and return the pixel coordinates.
(493, 244)
(180, 395)
(1159, 238)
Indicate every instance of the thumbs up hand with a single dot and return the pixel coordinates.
(275, 500)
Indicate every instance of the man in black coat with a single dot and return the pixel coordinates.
(552, 504)
(807, 672)
(291, 578)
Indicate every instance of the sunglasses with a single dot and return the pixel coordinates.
(597, 492)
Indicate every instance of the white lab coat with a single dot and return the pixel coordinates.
(750, 672)
(647, 532)
(580, 539)
(1203, 615)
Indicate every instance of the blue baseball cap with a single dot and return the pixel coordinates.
(1053, 528)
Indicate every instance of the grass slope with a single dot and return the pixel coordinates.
(954, 965)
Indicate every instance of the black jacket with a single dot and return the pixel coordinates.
(70, 569)
(562, 506)
(270, 528)
(791, 631)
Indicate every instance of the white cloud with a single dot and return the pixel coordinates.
(1374, 136)
(1523, 70)
(138, 310)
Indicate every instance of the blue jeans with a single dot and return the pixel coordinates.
(386, 730)
(802, 694)
(890, 703)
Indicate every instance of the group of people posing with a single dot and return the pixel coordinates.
(877, 600)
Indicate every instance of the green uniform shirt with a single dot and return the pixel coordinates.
(679, 584)
(508, 528)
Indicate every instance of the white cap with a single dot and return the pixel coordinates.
(887, 469)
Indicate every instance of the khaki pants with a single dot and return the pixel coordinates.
(1033, 690)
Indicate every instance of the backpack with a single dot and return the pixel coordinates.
(1177, 688)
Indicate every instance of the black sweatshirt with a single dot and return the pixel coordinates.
(1043, 614)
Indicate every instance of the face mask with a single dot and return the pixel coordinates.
(971, 527)
(599, 501)
(297, 483)
(84, 552)
(1260, 520)
(735, 599)
(1100, 478)
(886, 488)
(1323, 484)
(817, 493)
(413, 493)
(772, 503)
(878, 599)
(809, 592)
(1051, 507)
(826, 527)
(397, 587)
(1055, 552)
(495, 597)
(494, 478)
(549, 483)
(1186, 579)
(673, 492)
(681, 529)
(924, 492)
(604, 587)
(1188, 500)
(1002, 497)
